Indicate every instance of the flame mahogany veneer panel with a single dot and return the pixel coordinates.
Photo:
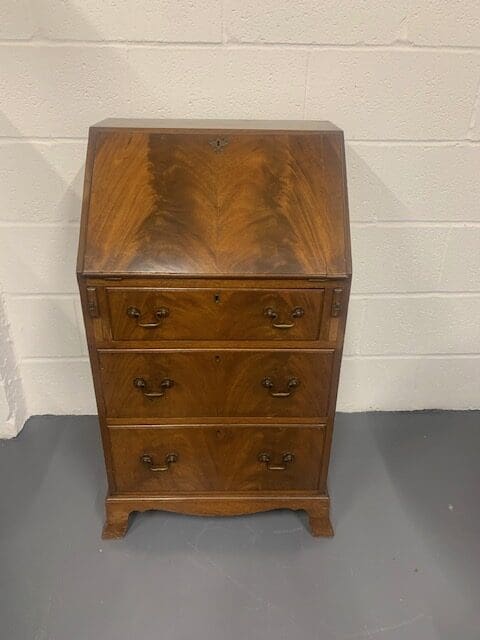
(215, 314)
(217, 458)
(214, 270)
(266, 204)
(207, 383)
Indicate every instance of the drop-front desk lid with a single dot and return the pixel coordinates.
(215, 198)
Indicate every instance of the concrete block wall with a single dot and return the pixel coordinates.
(402, 79)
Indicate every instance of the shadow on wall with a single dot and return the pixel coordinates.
(391, 258)
(37, 263)
(366, 189)
(41, 259)
(416, 317)
(30, 256)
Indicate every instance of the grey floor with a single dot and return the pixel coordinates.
(404, 564)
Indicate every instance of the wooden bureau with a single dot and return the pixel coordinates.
(214, 270)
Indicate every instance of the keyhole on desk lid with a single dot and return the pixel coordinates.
(217, 358)
(216, 297)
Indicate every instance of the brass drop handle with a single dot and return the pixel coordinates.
(287, 458)
(298, 312)
(141, 383)
(136, 314)
(170, 458)
(292, 384)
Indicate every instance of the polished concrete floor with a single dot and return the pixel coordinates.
(404, 564)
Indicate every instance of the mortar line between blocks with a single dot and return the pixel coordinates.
(46, 359)
(49, 295)
(413, 356)
(35, 225)
(389, 356)
(305, 93)
(212, 44)
(415, 224)
(446, 224)
(433, 142)
(415, 294)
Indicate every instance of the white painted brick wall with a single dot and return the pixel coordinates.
(413, 182)
(392, 94)
(402, 79)
(41, 182)
(139, 20)
(340, 22)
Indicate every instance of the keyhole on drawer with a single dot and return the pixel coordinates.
(217, 358)
(216, 297)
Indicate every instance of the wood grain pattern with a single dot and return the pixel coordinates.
(215, 383)
(215, 314)
(217, 458)
(215, 222)
(167, 203)
(119, 508)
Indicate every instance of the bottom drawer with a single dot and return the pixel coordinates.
(216, 458)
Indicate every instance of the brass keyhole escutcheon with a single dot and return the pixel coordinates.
(218, 144)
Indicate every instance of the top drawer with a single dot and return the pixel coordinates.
(214, 314)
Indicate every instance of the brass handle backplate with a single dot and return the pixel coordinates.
(298, 312)
(265, 458)
(147, 460)
(160, 314)
(292, 384)
(141, 383)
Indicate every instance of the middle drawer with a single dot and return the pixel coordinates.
(207, 383)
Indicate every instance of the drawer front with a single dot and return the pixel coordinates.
(216, 458)
(215, 314)
(144, 385)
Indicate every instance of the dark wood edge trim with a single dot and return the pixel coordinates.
(97, 385)
(198, 425)
(87, 188)
(189, 289)
(218, 421)
(217, 130)
(219, 282)
(214, 350)
(313, 277)
(263, 496)
(118, 508)
(346, 210)
(334, 381)
(225, 345)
